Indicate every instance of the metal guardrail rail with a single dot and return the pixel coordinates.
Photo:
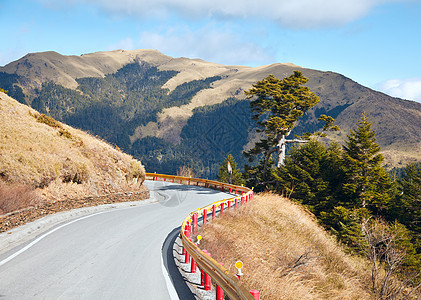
(232, 287)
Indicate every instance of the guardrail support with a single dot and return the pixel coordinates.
(235, 205)
(213, 211)
(229, 205)
(205, 216)
(208, 284)
(255, 294)
(222, 209)
(219, 291)
(195, 220)
(193, 266)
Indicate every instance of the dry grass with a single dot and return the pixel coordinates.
(286, 254)
(16, 196)
(58, 161)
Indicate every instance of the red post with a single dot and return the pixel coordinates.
(205, 216)
(241, 193)
(193, 266)
(242, 201)
(213, 211)
(202, 278)
(235, 192)
(207, 285)
(181, 181)
(222, 188)
(197, 183)
(235, 205)
(219, 292)
(214, 187)
(194, 219)
(189, 181)
(165, 179)
(187, 258)
(229, 191)
(222, 209)
(187, 230)
(229, 204)
(173, 180)
(255, 294)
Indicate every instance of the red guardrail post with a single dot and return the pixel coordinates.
(229, 204)
(207, 285)
(222, 209)
(194, 219)
(219, 292)
(242, 201)
(202, 273)
(229, 191)
(213, 211)
(235, 205)
(255, 294)
(205, 216)
(193, 266)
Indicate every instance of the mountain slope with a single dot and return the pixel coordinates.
(148, 104)
(59, 162)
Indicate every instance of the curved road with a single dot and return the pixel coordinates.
(117, 254)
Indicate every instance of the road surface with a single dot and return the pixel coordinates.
(118, 254)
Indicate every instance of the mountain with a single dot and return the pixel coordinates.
(171, 112)
(46, 160)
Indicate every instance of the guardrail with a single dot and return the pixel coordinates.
(229, 283)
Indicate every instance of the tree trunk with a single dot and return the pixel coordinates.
(281, 150)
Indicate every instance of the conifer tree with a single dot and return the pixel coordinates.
(277, 105)
(224, 174)
(367, 183)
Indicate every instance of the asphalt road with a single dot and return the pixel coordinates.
(118, 254)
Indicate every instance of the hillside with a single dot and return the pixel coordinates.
(44, 161)
(286, 254)
(170, 112)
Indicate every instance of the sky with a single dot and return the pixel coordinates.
(377, 43)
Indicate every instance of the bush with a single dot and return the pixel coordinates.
(16, 196)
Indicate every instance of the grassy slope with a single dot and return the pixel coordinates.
(60, 166)
(271, 236)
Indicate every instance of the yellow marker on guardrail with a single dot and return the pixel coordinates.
(239, 266)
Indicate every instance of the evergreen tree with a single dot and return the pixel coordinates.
(367, 183)
(311, 175)
(224, 174)
(277, 105)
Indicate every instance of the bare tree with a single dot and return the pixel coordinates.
(382, 246)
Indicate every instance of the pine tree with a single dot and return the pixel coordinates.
(311, 175)
(225, 176)
(367, 183)
(277, 105)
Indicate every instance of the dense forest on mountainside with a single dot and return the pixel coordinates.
(113, 106)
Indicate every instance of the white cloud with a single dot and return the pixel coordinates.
(402, 88)
(291, 13)
(208, 43)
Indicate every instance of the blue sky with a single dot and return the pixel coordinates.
(374, 42)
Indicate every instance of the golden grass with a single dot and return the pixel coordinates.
(59, 161)
(286, 254)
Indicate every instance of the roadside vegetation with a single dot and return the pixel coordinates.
(286, 254)
(372, 214)
(43, 160)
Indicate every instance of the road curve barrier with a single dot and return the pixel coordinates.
(225, 281)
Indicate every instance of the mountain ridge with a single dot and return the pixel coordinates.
(202, 85)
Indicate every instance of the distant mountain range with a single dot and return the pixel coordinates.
(170, 112)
